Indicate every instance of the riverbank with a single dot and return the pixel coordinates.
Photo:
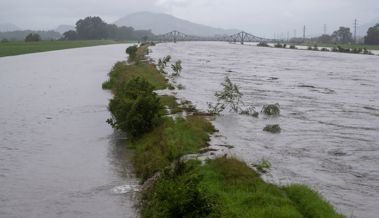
(350, 46)
(222, 187)
(18, 48)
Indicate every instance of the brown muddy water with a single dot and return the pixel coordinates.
(58, 157)
(329, 114)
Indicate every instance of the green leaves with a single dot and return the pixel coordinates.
(135, 108)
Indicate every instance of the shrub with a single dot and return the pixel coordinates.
(177, 68)
(132, 52)
(272, 128)
(135, 108)
(293, 47)
(180, 193)
(271, 109)
(263, 44)
(278, 45)
(4, 40)
(263, 166)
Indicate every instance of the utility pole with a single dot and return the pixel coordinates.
(325, 29)
(304, 32)
(295, 33)
(355, 30)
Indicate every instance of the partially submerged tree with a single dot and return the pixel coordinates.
(230, 98)
(177, 68)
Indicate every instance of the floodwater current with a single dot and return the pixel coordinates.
(58, 157)
(329, 114)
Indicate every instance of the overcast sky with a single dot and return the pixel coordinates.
(260, 17)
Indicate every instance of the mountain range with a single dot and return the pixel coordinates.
(160, 23)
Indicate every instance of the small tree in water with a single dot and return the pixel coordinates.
(177, 68)
(230, 96)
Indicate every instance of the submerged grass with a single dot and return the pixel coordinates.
(224, 187)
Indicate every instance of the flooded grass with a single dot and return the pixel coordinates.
(18, 48)
(227, 187)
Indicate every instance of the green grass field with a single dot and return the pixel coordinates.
(18, 48)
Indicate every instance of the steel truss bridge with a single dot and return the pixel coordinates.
(241, 37)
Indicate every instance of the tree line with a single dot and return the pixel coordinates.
(344, 36)
(94, 28)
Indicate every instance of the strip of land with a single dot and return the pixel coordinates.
(18, 48)
(222, 187)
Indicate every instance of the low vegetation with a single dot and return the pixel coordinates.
(223, 187)
(263, 44)
(271, 109)
(272, 128)
(177, 68)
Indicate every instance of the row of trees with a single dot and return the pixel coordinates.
(344, 35)
(94, 28)
(372, 37)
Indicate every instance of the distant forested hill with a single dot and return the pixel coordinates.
(160, 23)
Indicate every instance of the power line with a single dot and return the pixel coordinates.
(355, 30)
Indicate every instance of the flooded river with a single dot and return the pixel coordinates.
(58, 157)
(329, 114)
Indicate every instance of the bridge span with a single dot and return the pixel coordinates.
(241, 37)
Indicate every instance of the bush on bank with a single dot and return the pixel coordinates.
(135, 108)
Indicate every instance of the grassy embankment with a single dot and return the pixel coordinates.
(351, 46)
(224, 187)
(18, 48)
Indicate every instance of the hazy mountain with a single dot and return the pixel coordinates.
(164, 23)
(6, 27)
(64, 28)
